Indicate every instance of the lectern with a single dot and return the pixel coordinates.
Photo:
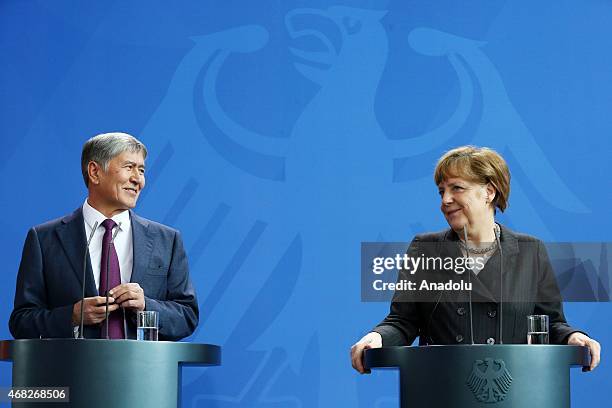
(479, 376)
(105, 373)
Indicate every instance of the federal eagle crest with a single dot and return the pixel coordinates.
(489, 380)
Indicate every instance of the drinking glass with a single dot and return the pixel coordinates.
(147, 325)
(537, 329)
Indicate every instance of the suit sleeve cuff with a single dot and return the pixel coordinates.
(391, 336)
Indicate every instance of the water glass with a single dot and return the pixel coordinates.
(147, 325)
(537, 329)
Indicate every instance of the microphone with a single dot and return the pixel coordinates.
(107, 269)
(501, 285)
(124, 324)
(91, 234)
(465, 237)
(429, 338)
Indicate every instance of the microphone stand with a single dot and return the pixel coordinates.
(501, 285)
(124, 324)
(91, 234)
(467, 251)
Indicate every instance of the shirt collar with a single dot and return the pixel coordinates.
(91, 216)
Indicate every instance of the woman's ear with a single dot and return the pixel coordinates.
(491, 193)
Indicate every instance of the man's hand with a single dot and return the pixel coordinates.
(94, 310)
(580, 339)
(370, 340)
(129, 296)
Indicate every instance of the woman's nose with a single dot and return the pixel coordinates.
(447, 198)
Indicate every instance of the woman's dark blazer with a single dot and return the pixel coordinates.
(529, 287)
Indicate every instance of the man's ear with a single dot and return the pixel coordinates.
(93, 171)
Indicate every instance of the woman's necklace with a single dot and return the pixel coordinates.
(481, 251)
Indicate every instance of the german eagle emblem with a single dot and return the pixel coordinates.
(489, 380)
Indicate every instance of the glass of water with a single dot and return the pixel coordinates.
(147, 325)
(537, 329)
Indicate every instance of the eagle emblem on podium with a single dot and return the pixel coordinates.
(489, 380)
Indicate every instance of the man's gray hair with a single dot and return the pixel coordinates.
(103, 148)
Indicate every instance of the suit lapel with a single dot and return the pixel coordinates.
(510, 247)
(142, 243)
(71, 234)
(487, 282)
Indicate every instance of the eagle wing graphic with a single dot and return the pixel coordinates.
(502, 379)
(477, 379)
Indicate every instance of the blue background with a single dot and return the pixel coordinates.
(283, 134)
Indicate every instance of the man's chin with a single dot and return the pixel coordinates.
(129, 204)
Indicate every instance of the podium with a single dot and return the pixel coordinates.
(105, 373)
(475, 376)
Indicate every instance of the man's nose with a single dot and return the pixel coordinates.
(136, 177)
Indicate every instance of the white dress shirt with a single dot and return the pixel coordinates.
(123, 241)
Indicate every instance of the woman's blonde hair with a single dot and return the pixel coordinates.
(478, 165)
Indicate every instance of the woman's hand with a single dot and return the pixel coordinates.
(581, 339)
(370, 340)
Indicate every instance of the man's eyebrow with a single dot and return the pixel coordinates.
(141, 166)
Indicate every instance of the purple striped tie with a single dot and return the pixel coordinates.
(115, 321)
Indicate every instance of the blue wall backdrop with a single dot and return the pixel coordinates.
(283, 134)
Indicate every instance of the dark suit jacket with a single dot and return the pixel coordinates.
(529, 287)
(51, 270)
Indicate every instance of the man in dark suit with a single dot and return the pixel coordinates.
(143, 262)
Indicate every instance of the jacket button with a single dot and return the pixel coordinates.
(490, 340)
(492, 313)
(459, 338)
(461, 311)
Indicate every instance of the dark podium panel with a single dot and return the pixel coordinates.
(105, 373)
(497, 376)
